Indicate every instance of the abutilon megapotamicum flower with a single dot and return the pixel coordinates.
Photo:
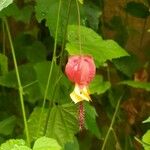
(80, 70)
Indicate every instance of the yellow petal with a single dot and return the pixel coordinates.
(79, 94)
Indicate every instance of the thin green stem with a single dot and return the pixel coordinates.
(112, 123)
(79, 26)
(51, 66)
(65, 33)
(19, 83)
(116, 138)
(4, 36)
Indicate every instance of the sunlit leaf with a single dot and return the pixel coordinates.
(62, 123)
(45, 143)
(5, 3)
(94, 45)
(14, 144)
(146, 140)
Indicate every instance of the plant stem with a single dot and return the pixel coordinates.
(112, 123)
(51, 67)
(19, 83)
(4, 36)
(79, 26)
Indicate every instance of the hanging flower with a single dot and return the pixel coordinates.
(80, 70)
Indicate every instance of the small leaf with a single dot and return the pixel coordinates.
(137, 9)
(7, 125)
(146, 140)
(147, 120)
(45, 143)
(136, 84)
(5, 3)
(14, 144)
(90, 119)
(99, 86)
(93, 44)
(62, 123)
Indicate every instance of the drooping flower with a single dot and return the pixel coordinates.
(80, 70)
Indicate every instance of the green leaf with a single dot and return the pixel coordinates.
(122, 64)
(33, 123)
(23, 14)
(7, 125)
(45, 143)
(27, 76)
(90, 120)
(147, 120)
(93, 44)
(137, 84)
(63, 124)
(72, 145)
(14, 144)
(98, 85)
(3, 64)
(5, 3)
(48, 10)
(146, 140)
(59, 86)
(137, 9)
(90, 14)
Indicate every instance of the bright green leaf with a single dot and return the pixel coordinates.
(3, 64)
(62, 123)
(93, 44)
(36, 131)
(7, 125)
(5, 3)
(99, 86)
(14, 144)
(137, 9)
(137, 84)
(90, 119)
(146, 140)
(45, 143)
